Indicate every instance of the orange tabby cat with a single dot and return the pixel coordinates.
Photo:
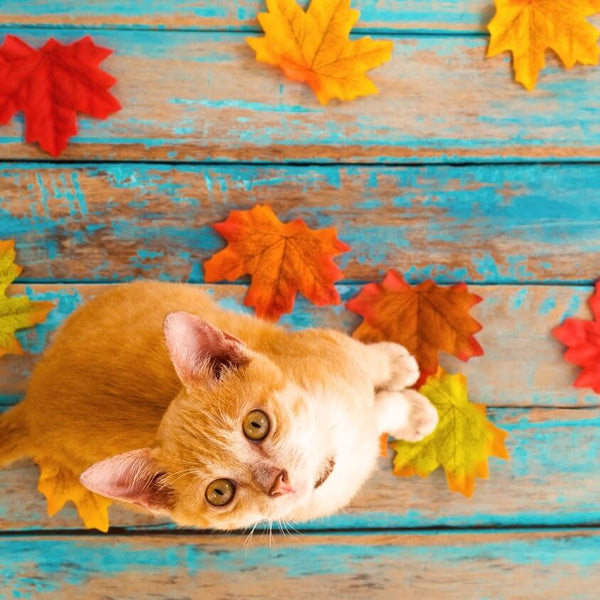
(151, 394)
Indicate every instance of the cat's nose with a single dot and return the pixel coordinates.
(281, 485)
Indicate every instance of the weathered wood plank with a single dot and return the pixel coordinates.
(522, 365)
(415, 16)
(553, 564)
(487, 223)
(548, 481)
(193, 96)
(376, 15)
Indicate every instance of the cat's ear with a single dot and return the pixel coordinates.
(199, 351)
(130, 477)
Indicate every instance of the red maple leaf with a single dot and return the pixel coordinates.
(583, 339)
(51, 85)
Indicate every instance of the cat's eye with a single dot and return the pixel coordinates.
(256, 425)
(220, 492)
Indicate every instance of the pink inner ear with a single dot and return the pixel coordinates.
(198, 349)
(129, 477)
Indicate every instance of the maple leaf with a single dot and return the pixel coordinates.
(527, 28)
(50, 85)
(282, 258)
(15, 312)
(60, 485)
(583, 340)
(313, 46)
(424, 318)
(462, 441)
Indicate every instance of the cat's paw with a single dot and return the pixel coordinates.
(405, 415)
(404, 368)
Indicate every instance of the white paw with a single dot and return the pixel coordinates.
(405, 415)
(405, 371)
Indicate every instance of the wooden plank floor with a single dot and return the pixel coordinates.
(201, 96)
(452, 172)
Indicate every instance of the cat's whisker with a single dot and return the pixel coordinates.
(179, 474)
(285, 527)
(280, 523)
(249, 536)
(293, 529)
(271, 538)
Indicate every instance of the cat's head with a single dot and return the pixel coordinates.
(237, 446)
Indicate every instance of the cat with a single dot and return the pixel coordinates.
(153, 395)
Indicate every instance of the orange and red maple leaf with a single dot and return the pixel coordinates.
(282, 259)
(425, 318)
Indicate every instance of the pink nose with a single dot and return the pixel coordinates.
(281, 485)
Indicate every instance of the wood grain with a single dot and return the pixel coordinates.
(193, 93)
(522, 364)
(548, 481)
(192, 96)
(551, 564)
(487, 223)
(376, 15)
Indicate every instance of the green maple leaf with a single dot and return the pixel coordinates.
(16, 312)
(462, 441)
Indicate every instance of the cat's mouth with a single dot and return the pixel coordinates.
(326, 473)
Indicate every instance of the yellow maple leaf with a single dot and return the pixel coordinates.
(15, 312)
(59, 485)
(313, 46)
(527, 28)
(462, 441)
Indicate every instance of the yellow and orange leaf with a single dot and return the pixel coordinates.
(282, 258)
(314, 46)
(425, 318)
(60, 485)
(462, 441)
(15, 312)
(528, 28)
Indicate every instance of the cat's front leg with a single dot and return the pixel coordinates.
(405, 415)
(396, 367)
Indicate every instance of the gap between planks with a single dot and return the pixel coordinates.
(131, 532)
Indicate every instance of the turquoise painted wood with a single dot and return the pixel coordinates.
(486, 224)
(522, 366)
(547, 482)
(459, 16)
(552, 564)
(424, 177)
(202, 97)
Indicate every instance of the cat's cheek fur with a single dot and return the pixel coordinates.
(351, 437)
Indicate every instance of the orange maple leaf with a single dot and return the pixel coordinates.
(313, 46)
(425, 318)
(282, 258)
(527, 28)
(462, 441)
